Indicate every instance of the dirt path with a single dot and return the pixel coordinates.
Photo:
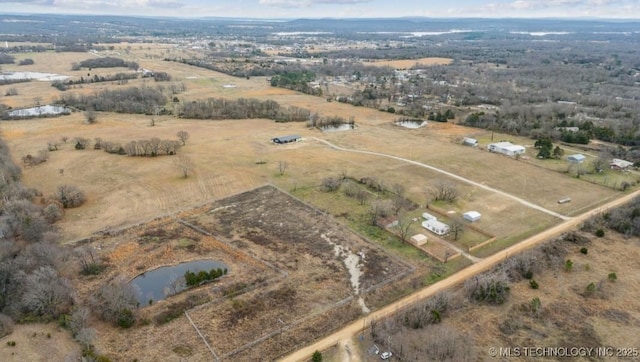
(452, 175)
(346, 333)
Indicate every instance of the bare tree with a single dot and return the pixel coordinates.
(116, 303)
(46, 293)
(378, 209)
(70, 196)
(90, 116)
(445, 191)
(183, 136)
(185, 165)
(282, 167)
(404, 227)
(601, 163)
(456, 227)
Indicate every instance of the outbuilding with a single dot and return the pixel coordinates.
(418, 239)
(472, 142)
(286, 139)
(506, 148)
(471, 216)
(577, 158)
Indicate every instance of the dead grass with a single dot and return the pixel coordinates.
(39, 342)
(410, 63)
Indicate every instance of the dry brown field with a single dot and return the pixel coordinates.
(410, 63)
(39, 342)
(233, 156)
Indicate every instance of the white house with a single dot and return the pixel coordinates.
(436, 227)
(506, 148)
(471, 216)
(432, 224)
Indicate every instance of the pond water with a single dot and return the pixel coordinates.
(411, 124)
(160, 283)
(338, 128)
(47, 110)
(45, 77)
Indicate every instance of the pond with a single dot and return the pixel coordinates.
(338, 127)
(160, 283)
(411, 123)
(47, 110)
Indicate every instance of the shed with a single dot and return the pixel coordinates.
(286, 139)
(428, 216)
(467, 141)
(471, 216)
(387, 222)
(577, 158)
(418, 239)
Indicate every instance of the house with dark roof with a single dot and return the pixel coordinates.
(286, 139)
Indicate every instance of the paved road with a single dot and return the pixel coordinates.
(460, 178)
(345, 334)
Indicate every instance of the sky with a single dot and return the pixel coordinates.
(618, 9)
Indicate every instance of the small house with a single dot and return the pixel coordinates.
(432, 224)
(418, 239)
(577, 158)
(471, 216)
(435, 226)
(618, 164)
(286, 139)
(506, 148)
(472, 142)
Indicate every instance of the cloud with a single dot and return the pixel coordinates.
(307, 3)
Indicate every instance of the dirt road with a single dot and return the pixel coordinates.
(355, 327)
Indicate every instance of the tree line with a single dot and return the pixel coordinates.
(136, 100)
(104, 62)
(242, 108)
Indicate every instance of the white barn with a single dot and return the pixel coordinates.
(506, 148)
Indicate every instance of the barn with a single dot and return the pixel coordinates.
(286, 139)
(506, 148)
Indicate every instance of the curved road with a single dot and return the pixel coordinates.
(452, 175)
(344, 335)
